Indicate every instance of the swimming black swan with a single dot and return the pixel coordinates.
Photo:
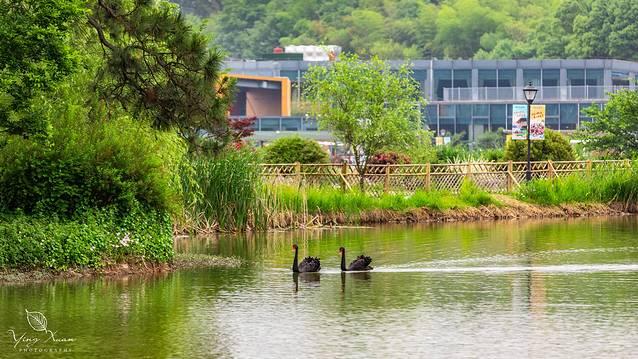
(362, 262)
(308, 264)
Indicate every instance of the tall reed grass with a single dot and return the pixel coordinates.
(332, 200)
(620, 185)
(227, 193)
(223, 192)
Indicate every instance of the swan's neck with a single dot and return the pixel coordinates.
(343, 260)
(295, 266)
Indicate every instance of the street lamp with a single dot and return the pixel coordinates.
(530, 95)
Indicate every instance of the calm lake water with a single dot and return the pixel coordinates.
(500, 290)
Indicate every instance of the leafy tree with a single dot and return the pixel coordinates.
(615, 128)
(490, 140)
(294, 149)
(554, 147)
(36, 52)
(365, 105)
(157, 67)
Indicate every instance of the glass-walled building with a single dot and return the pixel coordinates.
(476, 96)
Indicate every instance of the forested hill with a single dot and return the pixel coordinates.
(395, 29)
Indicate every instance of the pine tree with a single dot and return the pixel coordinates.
(157, 67)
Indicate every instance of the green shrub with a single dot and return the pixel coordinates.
(294, 149)
(86, 165)
(98, 238)
(491, 140)
(554, 147)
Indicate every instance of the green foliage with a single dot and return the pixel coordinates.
(332, 200)
(36, 52)
(614, 129)
(614, 186)
(158, 68)
(491, 140)
(419, 149)
(294, 149)
(92, 241)
(554, 147)
(85, 163)
(474, 196)
(223, 191)
(364, 105)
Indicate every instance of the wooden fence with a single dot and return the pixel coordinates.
(495, 177)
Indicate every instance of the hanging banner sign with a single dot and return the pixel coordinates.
(537, 123)
(519, 122)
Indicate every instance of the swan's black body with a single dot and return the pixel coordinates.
(362, 263)
(308, 264)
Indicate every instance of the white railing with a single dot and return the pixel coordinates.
(516, 93)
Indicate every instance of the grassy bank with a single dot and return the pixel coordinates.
(331, 200)
(228, 194)
(96, 240)
(620, 186)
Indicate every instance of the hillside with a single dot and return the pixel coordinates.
(399, 29)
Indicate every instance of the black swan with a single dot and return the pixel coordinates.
(308, 264)
(362, 263)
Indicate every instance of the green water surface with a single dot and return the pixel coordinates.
(560, 289)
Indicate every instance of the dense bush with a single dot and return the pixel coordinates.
(294, 149)
(491, 140)
(82, 165)
(389, 158)
(554, 147)
(96, 239)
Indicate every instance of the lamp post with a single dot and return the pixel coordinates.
(530, 95)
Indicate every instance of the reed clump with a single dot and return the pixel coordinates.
(617, 186)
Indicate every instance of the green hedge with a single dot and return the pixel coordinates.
(101, 237)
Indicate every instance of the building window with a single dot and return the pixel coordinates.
(568, 116)
(575, 77)
(498, 117)
(533, 76)
(291, 124)
(442, 80)
(595, 82)
(487, 78)
(463, 120)
(269, 124)
(552, 114)
(506, 78)
(462, 78)
(431, 117)
(421, 77)
(619, 78)
(551, 81)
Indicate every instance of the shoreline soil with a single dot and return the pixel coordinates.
(509, 209)
(137, 268)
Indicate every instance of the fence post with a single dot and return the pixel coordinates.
(468, 172)
(428, 181)
(386, 183)
(298, 173)
(589, 167)
(509, 175)
(344, 172)
(550, 169)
